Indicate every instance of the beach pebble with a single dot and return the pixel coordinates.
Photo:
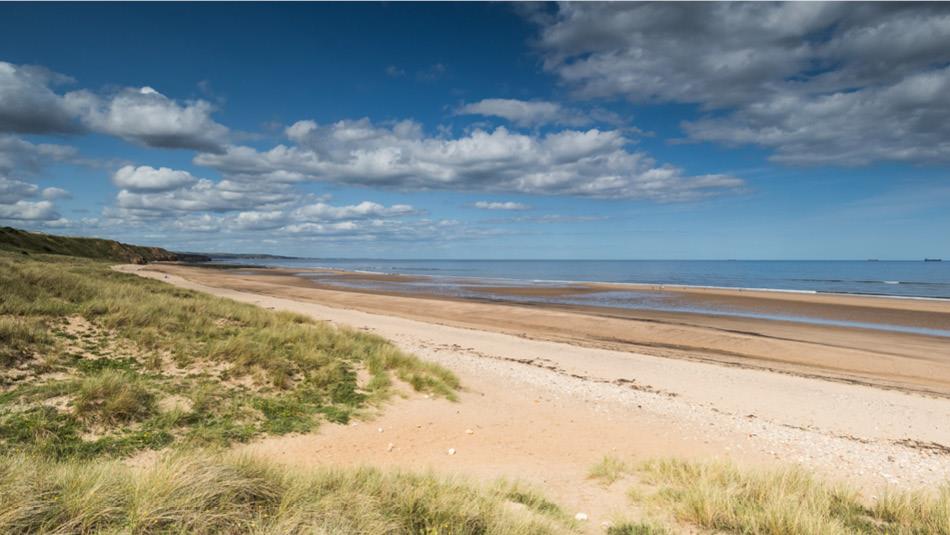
(469, 432)
(451, 451)
(379, 430)
(390, 446)
(581, 517)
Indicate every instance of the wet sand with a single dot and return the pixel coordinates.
(911, 362)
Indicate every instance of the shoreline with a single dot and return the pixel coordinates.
(666, 286)
(754, 304)
(908, 362)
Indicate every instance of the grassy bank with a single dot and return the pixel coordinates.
(25, 243)
(195, 493)
(95, 362)
(724, 499)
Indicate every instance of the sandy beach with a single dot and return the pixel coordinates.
(549, 391)
(905, 361)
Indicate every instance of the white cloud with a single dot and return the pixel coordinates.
(507, 205)
(204, 195)
(15, 206)
(364, 210)
(524, 112)
(29, 211)
(822, 83)
(256, 220)
(591, 163)
(145, 116)
(145, 178)
(55, 193)
(28, 104)
(23, 157)
(531, 113)
(12, 191)
(908, 121)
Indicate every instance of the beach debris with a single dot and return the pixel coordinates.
(451, 451)
(390, 446)
(581, 517)
(379, 430)
(469, 432)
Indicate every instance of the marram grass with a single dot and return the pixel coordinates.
(789, 501)
(199, 493)
(95, 362)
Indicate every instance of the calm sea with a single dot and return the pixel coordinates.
(894, 278)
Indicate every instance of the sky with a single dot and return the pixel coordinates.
(482, 130)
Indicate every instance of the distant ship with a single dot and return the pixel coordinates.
(932, 260)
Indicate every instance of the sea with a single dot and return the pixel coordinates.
(885, 278)
(481, 279)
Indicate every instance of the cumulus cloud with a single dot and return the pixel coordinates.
(363, 210)
(56, 193)
(204, 195)
(145, 116)
(260, 220)
(28, 104)
(507, 205)
(21, 156)
(863, 82)
(531, 113)
(15, 206)
(589, 163)
(29, 211)
(145, 178)
(165, 199)
(13, 190)
(523, 112)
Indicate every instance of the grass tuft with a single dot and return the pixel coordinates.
(637, 528)
(113, 397)
(19, 338)
(608, 470)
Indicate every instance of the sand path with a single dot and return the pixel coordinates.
(544, 411)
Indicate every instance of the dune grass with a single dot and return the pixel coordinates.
(199, 493)
(637, 528)
(95, 362)
(608, 470)
(722, 498)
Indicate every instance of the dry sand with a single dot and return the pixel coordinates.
(547, 392)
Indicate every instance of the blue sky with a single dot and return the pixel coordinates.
(480, 130)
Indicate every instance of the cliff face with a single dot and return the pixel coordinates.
(17, 240)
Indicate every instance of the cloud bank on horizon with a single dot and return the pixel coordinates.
(802, 85)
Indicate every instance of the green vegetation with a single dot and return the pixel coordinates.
(23, 242)
(637, 528)
(722, 498)
(94, 362)
(608, 470)
(198, 493)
